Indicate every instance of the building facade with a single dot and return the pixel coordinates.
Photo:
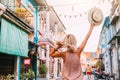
(18, 36)
(109, 41)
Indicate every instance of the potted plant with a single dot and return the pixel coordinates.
(100, 64)
(9, 77)
(27, 75)
(42, 70)
(30, 74)
(23, 76)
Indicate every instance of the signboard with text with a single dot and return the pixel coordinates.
(27, 61)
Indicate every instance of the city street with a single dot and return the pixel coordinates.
(47, 39)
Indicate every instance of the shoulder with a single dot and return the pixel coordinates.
(63, 54)
(78, 52)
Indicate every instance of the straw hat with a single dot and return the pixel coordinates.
(95, 15)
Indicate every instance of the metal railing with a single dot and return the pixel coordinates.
(21, 11)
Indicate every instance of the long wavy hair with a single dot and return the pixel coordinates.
(70, 42)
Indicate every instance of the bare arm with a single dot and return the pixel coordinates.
(55, 54)
(54, 51)
(81, 47)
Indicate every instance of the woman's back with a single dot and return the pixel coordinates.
(72, 67)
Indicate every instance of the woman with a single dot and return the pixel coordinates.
(71, 57)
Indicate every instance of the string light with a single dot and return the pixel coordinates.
(62, 5)
(73, 15)
(75, 4)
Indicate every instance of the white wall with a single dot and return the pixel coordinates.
(115, 62)
(107, 63)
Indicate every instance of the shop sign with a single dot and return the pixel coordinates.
(27, 61)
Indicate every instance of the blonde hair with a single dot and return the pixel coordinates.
(70, 42)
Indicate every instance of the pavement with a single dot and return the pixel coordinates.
(49, 79)
(85, 78)
(59, 78)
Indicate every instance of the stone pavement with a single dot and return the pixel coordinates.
(49, 79)
(85, 78)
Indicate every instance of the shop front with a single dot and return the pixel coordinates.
(13, 44)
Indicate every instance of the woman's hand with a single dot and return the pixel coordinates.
(92, 25)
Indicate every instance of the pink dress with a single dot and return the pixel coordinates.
(72, 67)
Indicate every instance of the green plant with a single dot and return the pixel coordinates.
(23, 76)
(42, 69)
(100, 63)
(2, 77)
(31, 74)
(27, 75)
(9, 77)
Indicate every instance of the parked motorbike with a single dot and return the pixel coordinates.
(102, 75)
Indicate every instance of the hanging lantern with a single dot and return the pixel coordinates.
(27, 61)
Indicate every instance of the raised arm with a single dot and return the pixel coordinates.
(81, 47)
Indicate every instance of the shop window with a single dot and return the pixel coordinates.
(6, 64)
(113, 30)
(119, 41)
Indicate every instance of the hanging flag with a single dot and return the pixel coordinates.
(39, 33)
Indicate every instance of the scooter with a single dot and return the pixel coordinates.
(98, 75)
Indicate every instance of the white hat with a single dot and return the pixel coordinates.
(96, 16)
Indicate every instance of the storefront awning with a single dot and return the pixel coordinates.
(106, 22)
(13, 40)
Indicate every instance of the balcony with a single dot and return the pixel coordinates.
(21, 11)
(25, 15)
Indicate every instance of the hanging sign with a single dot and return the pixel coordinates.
(27, 61)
